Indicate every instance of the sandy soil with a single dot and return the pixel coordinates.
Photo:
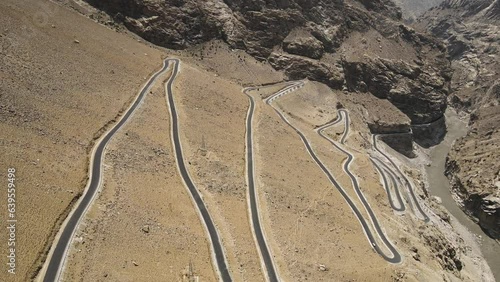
(309, 221)
(234, 65)
(214, 148)
(143, 225)
(56, 96)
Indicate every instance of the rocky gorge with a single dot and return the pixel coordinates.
(472, 32)
(358, 146)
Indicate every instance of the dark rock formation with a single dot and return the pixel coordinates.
(382, 127)
(401, 142)
(297, 67)
(293, 34)
(471, 30)
(489, 214)
(483, 207)
(420, 94)
(301, 42)
(386, 7)
(396, 135)
(430, 134)
(256, 26)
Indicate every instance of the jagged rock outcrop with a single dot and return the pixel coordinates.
(386, 7)
(471, 29)
(297, 67)
(427, 135)
(397, 135)
(302, 42)
(488, 10)
(419, 93)
(488, 213)
(446, 253)
(412, 9)
(384, 127)
(401, 142)
(473, 168)
(256, 26)
(295, 35)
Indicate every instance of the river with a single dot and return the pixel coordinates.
(439, 186)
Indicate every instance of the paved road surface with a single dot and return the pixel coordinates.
(217, 249)
(268, 263)
(387, 173)
(396, 257)
(57, 256)
(406, 181)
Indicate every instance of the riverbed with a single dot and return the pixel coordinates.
(439, 186)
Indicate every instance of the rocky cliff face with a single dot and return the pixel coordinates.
(412, 9)
(472, 31)
(256, 26)
(307, 39)
(417, 91)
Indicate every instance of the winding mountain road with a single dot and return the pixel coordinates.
(395, 256)
(266, 257)
(407, 182)
(55, 262)
(56, 258)
(216, 245)
(386, 173)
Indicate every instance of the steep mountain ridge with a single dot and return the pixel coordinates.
(471, 29)
(256, 26)
(482, 10)
(311, 39)
(412, 9)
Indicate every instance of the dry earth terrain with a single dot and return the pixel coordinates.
(299, 193)
(64, 81)
(143, 220)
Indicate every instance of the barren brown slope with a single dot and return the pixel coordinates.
(309, 223)
(56, 96)
(307, 215)
(143, 226)
(133, 232)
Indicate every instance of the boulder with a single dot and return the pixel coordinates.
(301, 42)
(298, 67)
